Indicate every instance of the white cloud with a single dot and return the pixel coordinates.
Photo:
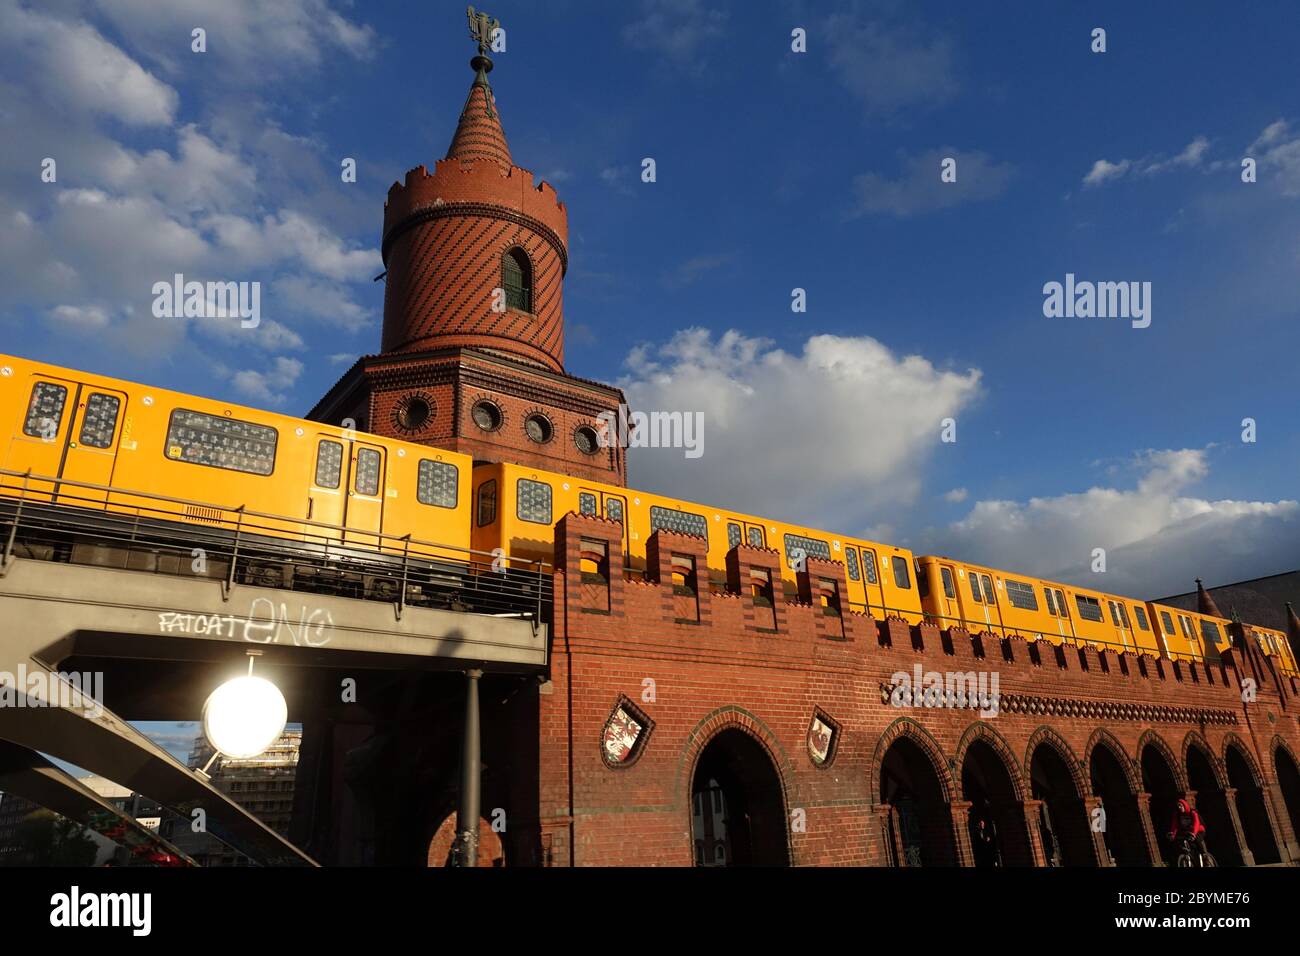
(1157, 537)
(956, 496)
(827, 436)
(83, 317)
(1277, 151)
(270, 386)
(920, 190)
(1191, 157)
(78, 68)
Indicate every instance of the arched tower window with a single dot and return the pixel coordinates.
(517, 280)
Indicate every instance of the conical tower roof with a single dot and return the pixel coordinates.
(1204, 603)
(479, 134)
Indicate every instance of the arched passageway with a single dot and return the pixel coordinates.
(1212, 805)
(1158, 780)
(996, 817)
(920, 818)
(737, 807)
(1123, 831)
(1062, 819)
(1288, 779)
(1251, 810)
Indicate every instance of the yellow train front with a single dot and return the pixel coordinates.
(516, 509)
(313, 504)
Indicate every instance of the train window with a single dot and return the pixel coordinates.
(811, 548)
(1123, 617)
(949, 587)
(1089, 608)
(329, 464)
(1210, 631)
(733, 534)
(975, 588)
(988, 589)
(1169, 622)
(1186, 623)
(220, 442)
(1060, 604)
(437, 484)
(902, 576)
(45, 411)
(534, 501)
(869, 566)
(487, 502)
(367, 480)
(1114, 613)
(1021, 595)
(1051, 602)
(922, 582)
(756, 538)
(683, 522)
(587, 504)
(614, 509)
(851, 557)
(1141, 614)
(100, 421)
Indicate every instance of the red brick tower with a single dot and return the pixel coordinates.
(473, 340)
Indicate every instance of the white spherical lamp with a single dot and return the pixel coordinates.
(244, 716)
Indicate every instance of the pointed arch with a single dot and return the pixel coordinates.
(1152, 738)
(1046, 735)
(1194, 739)
(906, 727)
(1256, 772)
(1101, 737)
(983, 732)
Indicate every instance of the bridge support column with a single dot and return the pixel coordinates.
(471, 776)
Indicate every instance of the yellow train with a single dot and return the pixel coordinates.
(362, 506)
(516, 509)
(178, 469)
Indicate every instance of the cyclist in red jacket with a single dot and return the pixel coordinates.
(1187, 822)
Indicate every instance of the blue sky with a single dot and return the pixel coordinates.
(776, 170)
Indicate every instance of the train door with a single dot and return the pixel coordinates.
(1119, 620)
(1060, 613)
(326, 496)
(92, 441)
(67, 430)
(986, 599)
(946, 596)
(872, 587)
(364, 508)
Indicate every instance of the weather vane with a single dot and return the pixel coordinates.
(481, 29)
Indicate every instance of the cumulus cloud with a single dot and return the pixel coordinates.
(1158, 538)
(918, 189)
(268, 387)
(80, 70)
(890, 67)
(956, 496)
(828, 435)
(1277, 151)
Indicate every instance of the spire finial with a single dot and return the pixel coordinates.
(483, 31)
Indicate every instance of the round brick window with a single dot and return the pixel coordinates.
(486, 415)
(413, 413)
(538, 428)
(587, 440)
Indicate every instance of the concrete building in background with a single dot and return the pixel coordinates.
(262, 785)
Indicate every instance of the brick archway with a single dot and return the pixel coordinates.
(1286, 770)
(1208, 779)
(733, 778)
(1054, 777)
(1164, 777)
(1176, 767)
(1245, 778)
(990, 779)
(913, 785)
(1114, 780)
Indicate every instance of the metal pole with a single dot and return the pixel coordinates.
(467, 817)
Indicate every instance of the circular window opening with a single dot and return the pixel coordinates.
(586, 439)
(414, 413)
(538, 428)
(486, 416)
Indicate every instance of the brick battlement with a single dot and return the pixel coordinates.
(476, 181)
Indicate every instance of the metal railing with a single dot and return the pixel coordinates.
(47, 518)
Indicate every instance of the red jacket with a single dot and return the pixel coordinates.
(1185, 819)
